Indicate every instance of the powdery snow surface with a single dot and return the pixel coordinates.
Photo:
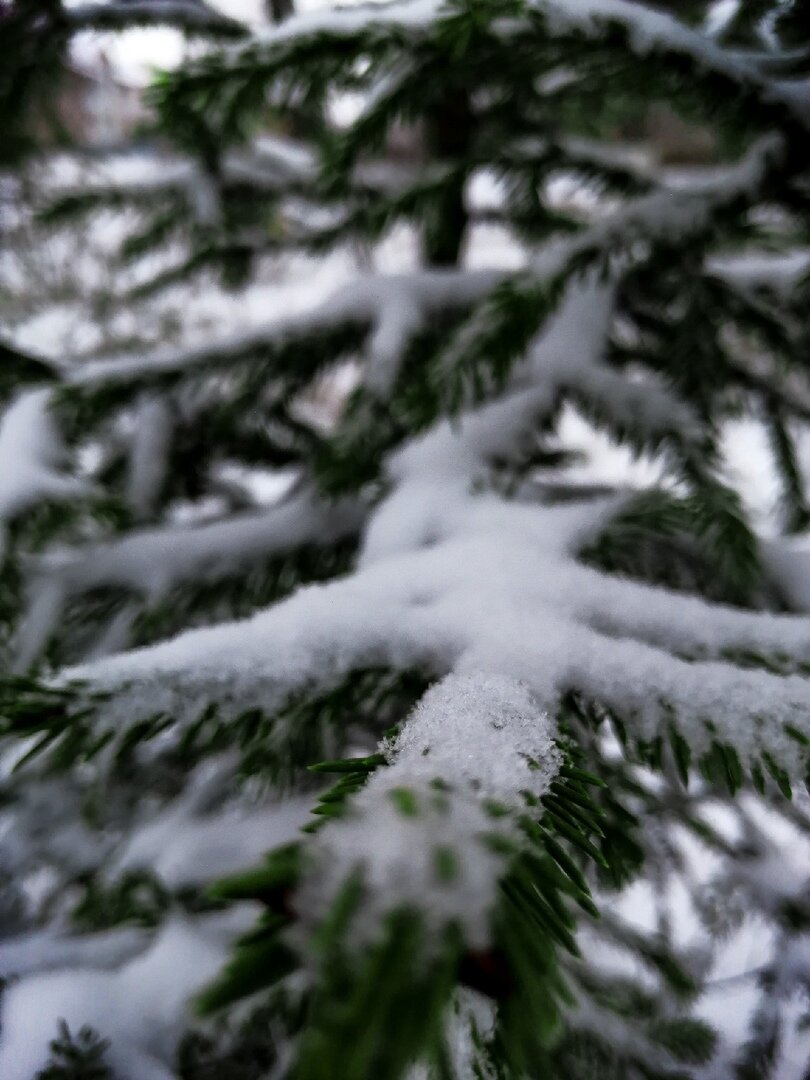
(483, 732)
(479, 738)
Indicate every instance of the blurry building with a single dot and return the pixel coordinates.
(93, 106)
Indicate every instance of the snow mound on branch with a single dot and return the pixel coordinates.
(482, 730)
(416, 830)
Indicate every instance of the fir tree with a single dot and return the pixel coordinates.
(554, 738)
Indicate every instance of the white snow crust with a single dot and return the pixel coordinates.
(482, 738)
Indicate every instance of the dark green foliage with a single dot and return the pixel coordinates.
(532, 922)
(77, 1057)
(353, 774)
(33, 43)
(18, 368)
(136, 898)
(379, 1010)
(795, 512)
(64, 722)
(673, 541)
(246, 1050)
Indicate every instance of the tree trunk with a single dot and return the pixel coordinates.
(279, 10)
(448, 136)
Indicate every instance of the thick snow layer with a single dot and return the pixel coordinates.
(483, 733)
(31, 456)
(492, 587)
(150, 560)
(481, 737)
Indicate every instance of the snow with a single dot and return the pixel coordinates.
(788, 563)
(649, 30)
(455, 581)
(49, 950)
(349, 18)
(482, 737)
(392, 306)
(367, 301)
(484, 593)
(483, 731)
(135, 985)
(149, 561)
(153, 559)
(143, 1003)
(459, 583)
(148, 459)
(31, 458)
(185, 848)
(780, 271)
(652, 30)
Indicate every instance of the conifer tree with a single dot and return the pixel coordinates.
(554, 739)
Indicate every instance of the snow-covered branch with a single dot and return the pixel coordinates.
(190, 15)
(474, 740)
(373, 302)
(650, 31)
(454, 582)
(32, 458)
(149, 562)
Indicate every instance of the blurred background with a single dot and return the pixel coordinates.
(148, 267)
